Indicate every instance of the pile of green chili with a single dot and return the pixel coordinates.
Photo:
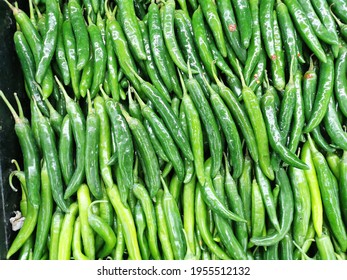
(198, 129)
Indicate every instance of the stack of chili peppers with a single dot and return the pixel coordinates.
(199, 129)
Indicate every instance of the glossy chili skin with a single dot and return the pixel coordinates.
(333, 126)
(99, 57)
(92, 150)
(268, 198)
(342, 185)
(142, 195)
(329, 190)
(315, 195)
(339, 8)
(324, 91)
(269, 111)
(201, 42)
(340, 85)
(305, 29)
(230, 132)
(319, 28)
(259, 128)
(30, 221)
(209, 121)
(131, 29)
(71, 56)
(60, 55)
(149, 160)
(121, 48)
(50, 154)
(27, 62)
(78, 124)
(165, 139)
(45, 215)
(49, 40)
(231, 30)
(201, 221)
(243, 14)
(124, 143)
(163, 231)
(80, 32)
(157, 43)
(170, 37)
(286, 207)
(209, 9)
(105, 231)
(174, 223)
(34, 40)
(255, 45)
(152, 69)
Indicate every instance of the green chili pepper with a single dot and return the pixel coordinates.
(201, 221)
(329, 190)
(174, 224)
(342, 185)
(45, 215)
(157, 44)
(340, 8)
(124, 143)
(209, 121)
(104, 141)
(140, 221)
(267, 196)
(164, 138)
(78, 124)
(99, 57)
(102, 229)
(49, 40)
(209, 8)
(305, 29)
(340, 85)
(28, 65)
(255, 45)
(130, 26)
(231, 30)
(145, 149)
(325, 90)
(258, 211)
(274, 133)
(286, 207)
(302, 204)
(71, 56)
(316, 200)
(142, 195)
(76, 242)
(163, 231)
(92, 150)
(55, 230)
(120, 46)
(236, 206)
(66, 232)
(243, 16)
(169, 36)
(29, 150)
(325, 247)
(211, 199)
(333, 126)
(259, 128)
(30, 221)
(81, 34)
(35, 42)
(201, 42)
(240, 116)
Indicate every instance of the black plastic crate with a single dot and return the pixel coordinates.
(11, 80)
